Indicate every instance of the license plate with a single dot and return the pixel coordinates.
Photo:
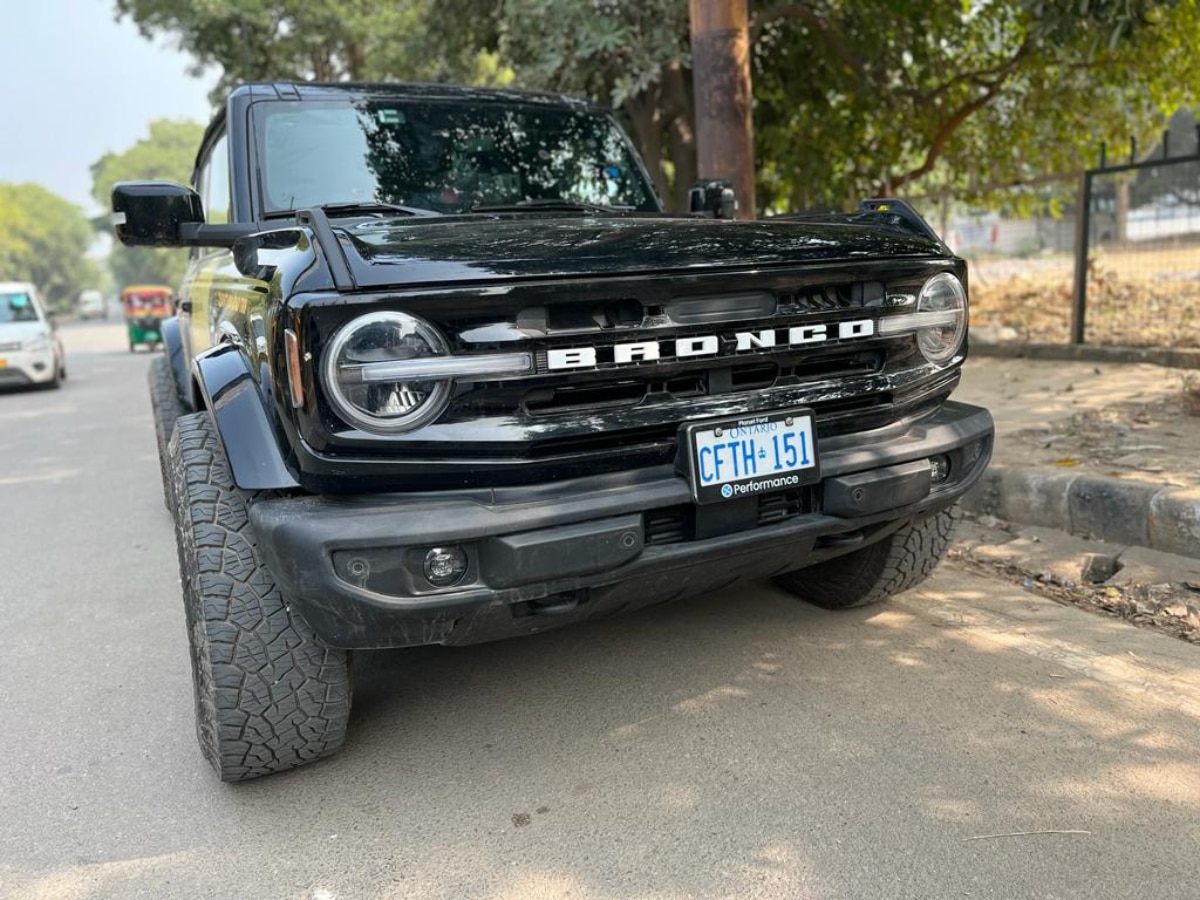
(750, 455)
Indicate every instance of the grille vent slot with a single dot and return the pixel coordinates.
(668, 525)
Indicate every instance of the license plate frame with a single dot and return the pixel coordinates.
(774, 466)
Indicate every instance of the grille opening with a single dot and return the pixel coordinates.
(668, 525)
(626, 439)
(760, 375)
(858, 295)
(689, 386)
(590, 396)
(866, 363)
(588, 316)
(775, 508)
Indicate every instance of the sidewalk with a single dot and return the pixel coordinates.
(1100, 450)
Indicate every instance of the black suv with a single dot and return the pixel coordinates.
(444, 372)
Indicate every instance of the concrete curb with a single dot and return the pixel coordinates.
(1092, 506)
(1159, 356)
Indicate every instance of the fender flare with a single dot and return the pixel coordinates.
(177, 362)
(243, 422)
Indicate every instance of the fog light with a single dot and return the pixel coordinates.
(939, 468)
(445, 566)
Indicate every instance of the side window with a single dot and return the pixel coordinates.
(212, 182)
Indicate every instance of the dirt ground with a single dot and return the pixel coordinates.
(1146, 296)
(1132, 421)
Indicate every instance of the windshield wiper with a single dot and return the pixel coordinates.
(369, 207)
(551, 205)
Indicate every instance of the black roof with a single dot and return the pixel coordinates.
(297, 90)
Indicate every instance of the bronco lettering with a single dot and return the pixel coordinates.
(641, 352)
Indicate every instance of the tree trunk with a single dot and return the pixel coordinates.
(721, 75)
(646, 118)
(679, 112)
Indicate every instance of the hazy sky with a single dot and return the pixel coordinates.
(78, 84)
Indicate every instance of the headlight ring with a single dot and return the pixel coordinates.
(391, 406)
(944, 296)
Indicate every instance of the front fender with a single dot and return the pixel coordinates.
(172, 340)
(243, 422)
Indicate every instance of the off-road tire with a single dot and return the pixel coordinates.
(166, 408)
(269, 695)
(898, 562)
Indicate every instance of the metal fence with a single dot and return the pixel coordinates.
(1137, 276)
(1109, 258)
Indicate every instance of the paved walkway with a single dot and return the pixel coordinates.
(1102, 450)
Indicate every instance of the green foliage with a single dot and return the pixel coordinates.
(856, 97)
(44, 239)
(167, 153)
(852, 97)
(328, 40)
(612, 50)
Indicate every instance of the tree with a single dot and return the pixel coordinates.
(328, 40)
(629, 54)
(851, 97)
(44, 239)
(857, 97)
(167, 153)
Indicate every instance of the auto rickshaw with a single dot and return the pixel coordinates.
(145, 306)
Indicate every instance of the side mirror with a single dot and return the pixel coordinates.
(151, 213)
(52, 318)
(713, 198)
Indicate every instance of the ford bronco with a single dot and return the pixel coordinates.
(444, 371)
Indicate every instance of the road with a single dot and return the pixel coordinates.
(740, 745)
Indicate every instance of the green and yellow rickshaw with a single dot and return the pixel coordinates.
(145, 306)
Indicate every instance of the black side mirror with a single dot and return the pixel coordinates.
(151, 213)
(713, 198)
(52, 318)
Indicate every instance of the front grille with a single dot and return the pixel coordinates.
(719, 377)
(10, 347)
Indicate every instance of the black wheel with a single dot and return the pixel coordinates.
(166, 408)
(269, 695)
(898, 562)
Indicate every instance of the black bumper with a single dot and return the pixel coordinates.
(545, 555)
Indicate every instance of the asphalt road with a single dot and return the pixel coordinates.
(739, 745)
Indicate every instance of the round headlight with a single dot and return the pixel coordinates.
(945, 295)
(360, 385)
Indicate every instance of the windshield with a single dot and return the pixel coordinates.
(17, 306)
(442, 155)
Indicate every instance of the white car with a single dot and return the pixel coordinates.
(30, 351)
(91, 305)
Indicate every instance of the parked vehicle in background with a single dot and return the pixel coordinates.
(445, 371)
(91, 305)
(146, 306)
(30, 351)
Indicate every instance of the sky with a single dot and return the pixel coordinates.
(79, 84)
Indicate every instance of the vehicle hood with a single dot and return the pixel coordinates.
(19, 332)
(484, 249)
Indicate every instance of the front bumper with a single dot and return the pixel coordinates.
(24, 367)
(540, 556)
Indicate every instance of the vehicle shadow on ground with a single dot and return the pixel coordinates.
(740, 744)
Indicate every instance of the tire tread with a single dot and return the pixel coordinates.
(269, 695)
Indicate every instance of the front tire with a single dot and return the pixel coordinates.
(269, 696)
(900, 561)
(166, 408)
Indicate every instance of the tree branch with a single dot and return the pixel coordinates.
(825, 30)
